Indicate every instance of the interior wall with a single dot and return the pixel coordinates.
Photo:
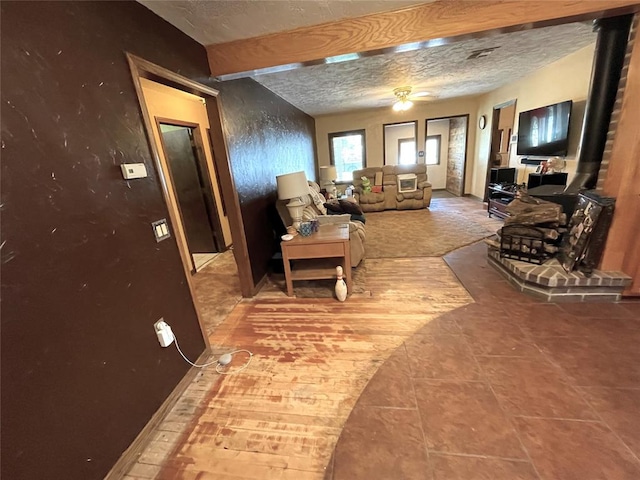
(438, 173)
(372, 121)
(393, 133)
(566, 79)
(266, 137)
(83, 279)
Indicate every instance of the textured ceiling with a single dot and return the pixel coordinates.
(443, 71)
(219, 21)
(365, 83)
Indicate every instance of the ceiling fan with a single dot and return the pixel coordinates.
(405, 99)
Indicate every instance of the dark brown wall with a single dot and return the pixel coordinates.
(267, 137)
(83, 279)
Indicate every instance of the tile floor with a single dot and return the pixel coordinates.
(506, 388)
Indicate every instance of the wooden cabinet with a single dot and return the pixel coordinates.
(498, 199)
(537, 179)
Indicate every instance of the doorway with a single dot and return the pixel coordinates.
(146, 74)
(446, 140)
(502, 122)
(187, 167)
(194, 192)
(400, 143)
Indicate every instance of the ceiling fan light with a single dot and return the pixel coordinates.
(402, 105)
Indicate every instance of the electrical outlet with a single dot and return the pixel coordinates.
(163, 332)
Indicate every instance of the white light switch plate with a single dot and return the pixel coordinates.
(133, 170)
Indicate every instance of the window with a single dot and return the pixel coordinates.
(347, 152)
(399, 143)
(406, 151)
(432, 150)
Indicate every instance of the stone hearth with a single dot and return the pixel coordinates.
(552, 283)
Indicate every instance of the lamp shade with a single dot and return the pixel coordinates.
(292, 185)
(328, 173)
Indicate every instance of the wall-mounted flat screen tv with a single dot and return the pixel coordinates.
(544, 131)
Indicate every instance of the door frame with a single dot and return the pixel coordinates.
(466, 145)
(141, 68)
(384, 138)
(493, 130)
(214, 220)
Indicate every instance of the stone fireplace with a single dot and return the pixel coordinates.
(554, 278)
(544, 256)
(550, 282)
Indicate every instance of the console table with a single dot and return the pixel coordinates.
(316, 255)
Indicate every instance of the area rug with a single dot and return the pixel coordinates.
(422, 233)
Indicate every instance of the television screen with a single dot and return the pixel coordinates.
(544, 131)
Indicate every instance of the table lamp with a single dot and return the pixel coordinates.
(328, 175)
(292, 186)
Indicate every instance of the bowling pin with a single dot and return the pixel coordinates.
(341, 286)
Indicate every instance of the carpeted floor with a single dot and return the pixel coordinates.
(450, 223)
(424, 233)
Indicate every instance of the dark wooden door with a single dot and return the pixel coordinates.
(190, 187)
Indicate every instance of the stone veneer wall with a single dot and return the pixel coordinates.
(617, 108)
(456, 157)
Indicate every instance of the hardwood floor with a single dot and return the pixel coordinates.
(414, 377)
(282, 416)
(217, 289)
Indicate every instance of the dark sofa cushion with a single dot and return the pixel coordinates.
(343, 206)
(359, 218)
(333, 206)
(350, 207)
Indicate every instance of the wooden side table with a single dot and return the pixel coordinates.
(316, 254)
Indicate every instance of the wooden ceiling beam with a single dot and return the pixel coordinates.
(420, 25)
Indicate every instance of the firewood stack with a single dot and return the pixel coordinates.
(532, 231)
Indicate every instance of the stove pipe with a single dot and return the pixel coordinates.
(611, 45)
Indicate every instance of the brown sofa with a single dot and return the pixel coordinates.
(390, 198)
